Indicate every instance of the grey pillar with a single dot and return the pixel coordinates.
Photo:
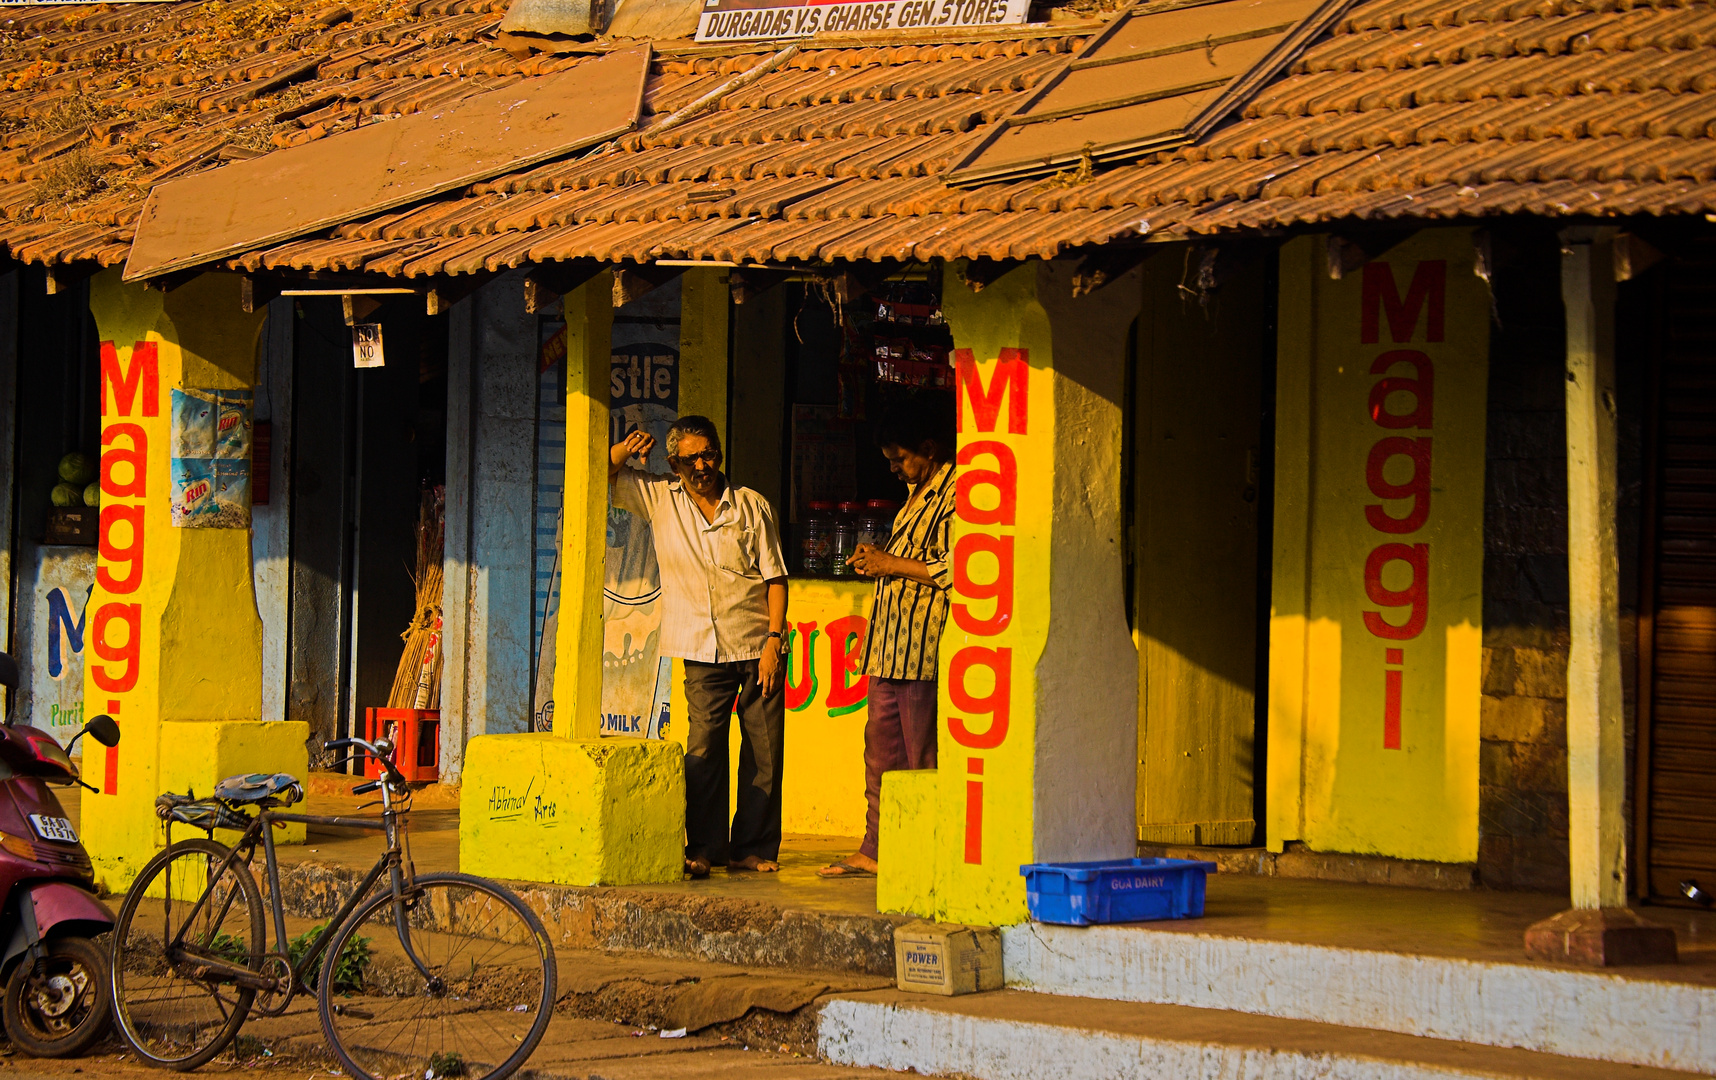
(271, 525)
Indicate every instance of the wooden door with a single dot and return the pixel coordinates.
(1675, 798)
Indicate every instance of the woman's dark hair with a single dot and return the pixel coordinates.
(924, 416)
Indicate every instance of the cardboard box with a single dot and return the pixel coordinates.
(946, 958)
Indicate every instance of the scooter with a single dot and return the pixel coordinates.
(57, 989)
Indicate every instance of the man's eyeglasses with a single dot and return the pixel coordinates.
(706, 457)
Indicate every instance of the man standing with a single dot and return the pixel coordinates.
(724, 605)
(913, 579)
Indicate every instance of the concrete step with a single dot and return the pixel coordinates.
(1011, 1035)
(682, 924)
(1604, 1016)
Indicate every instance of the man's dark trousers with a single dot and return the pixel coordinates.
(710, 690)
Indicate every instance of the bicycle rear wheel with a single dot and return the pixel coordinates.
(170, 1013)
(477, 1006)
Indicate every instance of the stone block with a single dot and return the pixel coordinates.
(198, 754)
(1495, 763)
(1500, 671)
(1516, 719)
(1540, 673)
(1539, 766)
(907, 828)
(540, 807)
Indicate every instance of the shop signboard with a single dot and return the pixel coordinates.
(643, 394)
(52, 638)
(757, 20)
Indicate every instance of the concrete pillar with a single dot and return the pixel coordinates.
(271, 525)
(1039, 699)
(569, 806)
(174, 638)
(1600, 929)
(703, 363)
(490, 571)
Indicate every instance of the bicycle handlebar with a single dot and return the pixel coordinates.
(394, 776)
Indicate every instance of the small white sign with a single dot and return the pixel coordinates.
(366, 345)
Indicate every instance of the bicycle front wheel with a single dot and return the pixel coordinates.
(455, 980)
(184, 910)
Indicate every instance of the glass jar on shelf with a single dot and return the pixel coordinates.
(876, 523)
(817, 548)
(845, 538)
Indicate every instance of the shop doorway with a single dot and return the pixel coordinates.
(1675, 794)
(1198, 542)
(365, 445)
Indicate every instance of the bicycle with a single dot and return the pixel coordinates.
(463, 987)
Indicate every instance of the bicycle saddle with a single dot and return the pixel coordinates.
(254, 787)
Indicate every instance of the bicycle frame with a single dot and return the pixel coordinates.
(395, 861)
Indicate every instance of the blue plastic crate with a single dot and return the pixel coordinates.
(1116, 891)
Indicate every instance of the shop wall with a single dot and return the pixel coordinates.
(1523, 753)
(1197, 449)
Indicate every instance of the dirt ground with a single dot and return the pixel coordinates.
(573, 1049)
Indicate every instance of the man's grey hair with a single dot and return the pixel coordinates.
(692, 425)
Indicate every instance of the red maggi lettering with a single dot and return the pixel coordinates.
(143, 376)
(131, 616)
(1380, 296)
(1011, 379)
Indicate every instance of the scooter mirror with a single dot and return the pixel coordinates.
(8, 671)
(103, 729)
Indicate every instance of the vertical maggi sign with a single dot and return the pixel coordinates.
(1377, 638)
(130, 407)
(986, 756)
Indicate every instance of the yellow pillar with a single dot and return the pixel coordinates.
(571, 807)
(175, 639)
(577, 667)
(1038, 693)
(1377, 609)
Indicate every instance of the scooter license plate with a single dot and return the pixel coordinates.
(57, 829)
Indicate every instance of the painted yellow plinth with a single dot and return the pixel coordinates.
(908, 827)
(573, 811)
(198, 754)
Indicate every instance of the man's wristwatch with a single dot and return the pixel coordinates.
(776, 634)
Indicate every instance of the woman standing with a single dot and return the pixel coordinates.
(913, 579)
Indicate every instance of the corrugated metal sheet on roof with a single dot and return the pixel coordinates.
(1429, 109)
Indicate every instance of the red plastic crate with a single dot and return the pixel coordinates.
(416, 735)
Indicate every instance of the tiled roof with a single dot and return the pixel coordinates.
(1410, 108)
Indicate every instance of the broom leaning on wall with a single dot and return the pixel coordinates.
(417, 683)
